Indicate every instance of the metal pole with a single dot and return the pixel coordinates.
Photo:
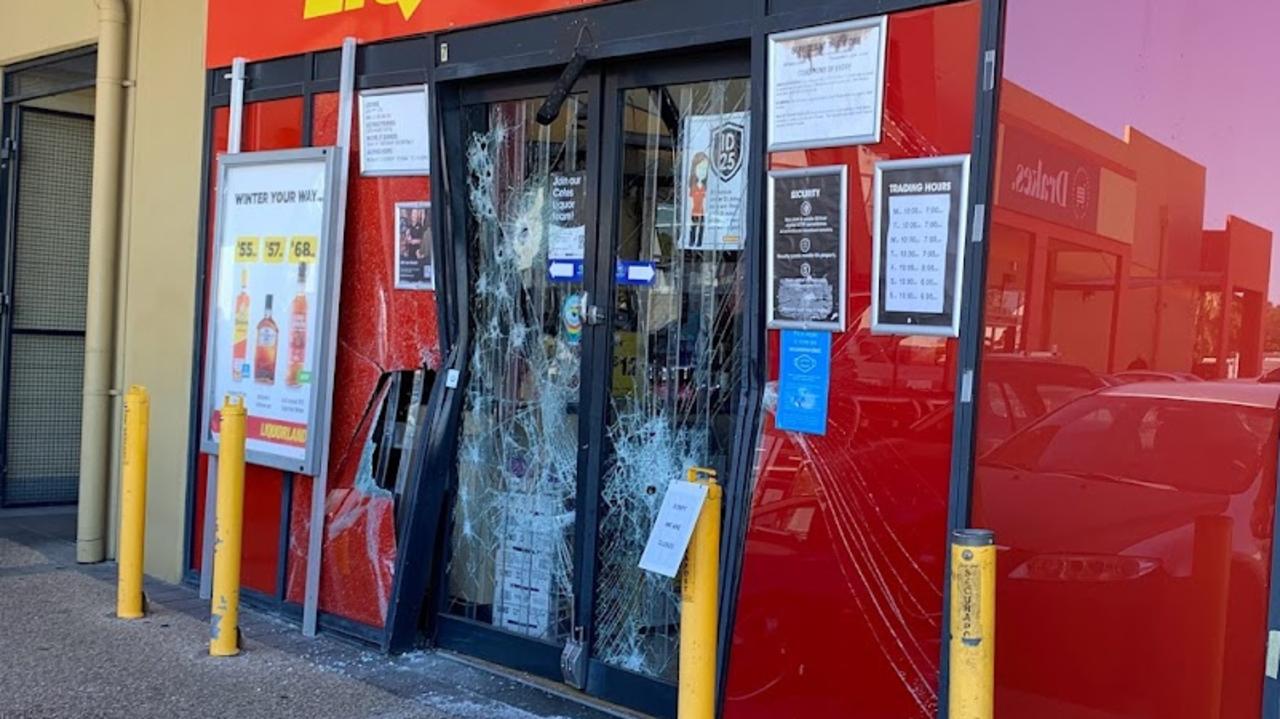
(133, 504)
(235, 129)
(699, 602)
(320, 483)
(973, 624)
(224, 616)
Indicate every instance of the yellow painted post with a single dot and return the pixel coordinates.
(699, 606)
(225, 614)
(133, 503)
(973, 624)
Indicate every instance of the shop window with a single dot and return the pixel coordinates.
(1133, 247)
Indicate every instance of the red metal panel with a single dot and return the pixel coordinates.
(841, 592)
(257, 30)
(381, 329)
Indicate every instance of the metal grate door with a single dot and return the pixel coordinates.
(48, 260)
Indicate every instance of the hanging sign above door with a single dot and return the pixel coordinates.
(806, 253)
(826, 85)
(918, 250)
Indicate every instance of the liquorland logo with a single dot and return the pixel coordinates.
(1069, 191)
(324, 8)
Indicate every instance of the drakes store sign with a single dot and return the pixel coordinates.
(1048, 180)
(261, 29)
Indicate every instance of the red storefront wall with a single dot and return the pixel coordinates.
(839, 610)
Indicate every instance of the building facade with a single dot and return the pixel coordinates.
(578, 297)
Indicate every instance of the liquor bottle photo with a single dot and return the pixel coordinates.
(264, 354)
(296, 375)
(240, 336)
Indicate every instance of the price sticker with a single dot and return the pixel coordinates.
(273, 250)
(303, 249)
(247, 249)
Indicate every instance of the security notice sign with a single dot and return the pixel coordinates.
(806, 254)
(270, 303)
(918, 252)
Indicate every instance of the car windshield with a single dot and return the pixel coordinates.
(1197, 446)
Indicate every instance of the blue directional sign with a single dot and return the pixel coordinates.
(804, 381)
(635, 273)
(564, 270)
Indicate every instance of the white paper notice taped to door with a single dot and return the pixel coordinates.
(669, 538)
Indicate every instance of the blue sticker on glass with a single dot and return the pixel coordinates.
(804, 381)
(635, 273)
(564, 270)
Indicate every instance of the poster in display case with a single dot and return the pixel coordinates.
(272, 302)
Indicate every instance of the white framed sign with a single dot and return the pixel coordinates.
(394, 132)
(271, 301)
(807, 255)
(917, 268)
(415, 268)
(826, 85)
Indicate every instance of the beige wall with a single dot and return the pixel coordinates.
(31, 28)
(160, 219)
(160, 207)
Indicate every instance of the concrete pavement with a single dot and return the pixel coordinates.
(64, 654)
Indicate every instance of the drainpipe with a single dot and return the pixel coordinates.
(104, 236)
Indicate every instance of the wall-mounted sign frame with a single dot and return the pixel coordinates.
(807, 260)
(395, 138)
(826, 85)
(918, 252)
(271, 304)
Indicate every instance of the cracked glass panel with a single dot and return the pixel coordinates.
(676, 343)
(513, 531)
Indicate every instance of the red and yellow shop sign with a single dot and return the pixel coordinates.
(261, 29)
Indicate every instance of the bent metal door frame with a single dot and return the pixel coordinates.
(605, 89)
(608, 682)
(457, 633)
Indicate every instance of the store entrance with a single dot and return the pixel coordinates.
(604, 240)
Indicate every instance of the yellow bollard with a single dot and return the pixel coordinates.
(973, 624)
(133, 503)
(224, 616)
(699, 606)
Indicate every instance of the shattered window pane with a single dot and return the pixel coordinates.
(676, 343)
(514, 515)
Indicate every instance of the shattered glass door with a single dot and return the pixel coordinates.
(515, 512)
(677, 343)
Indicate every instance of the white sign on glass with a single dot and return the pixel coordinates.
(271, 301)
(677, 517)
(916, 245)
(826, 85)
(713, 175)
(394, 140)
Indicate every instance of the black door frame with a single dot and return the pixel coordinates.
(458, 633)
(12, 98)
